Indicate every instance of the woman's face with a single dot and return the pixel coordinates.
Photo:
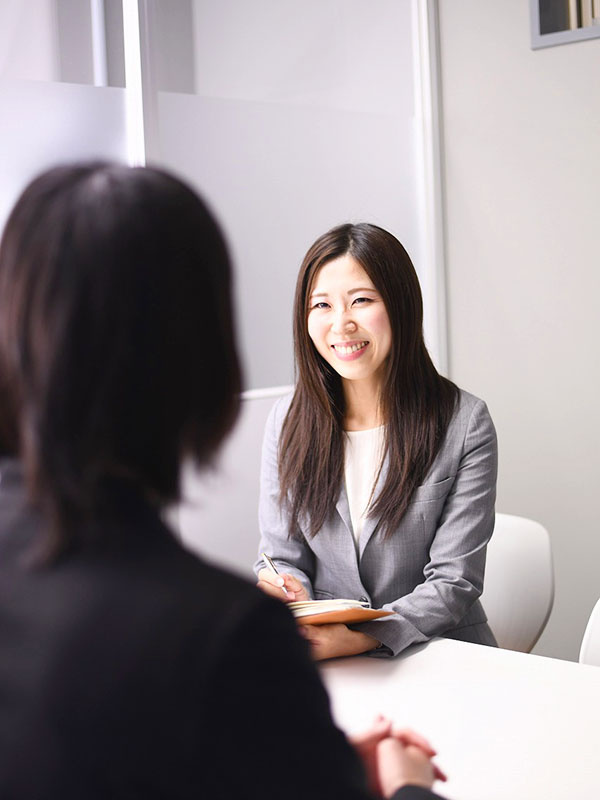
(348, 322)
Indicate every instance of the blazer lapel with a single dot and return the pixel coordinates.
(343, 509)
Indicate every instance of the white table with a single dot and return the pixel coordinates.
(507, 726)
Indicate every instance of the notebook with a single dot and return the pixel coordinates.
(319, 612)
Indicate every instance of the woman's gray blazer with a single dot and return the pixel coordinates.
(430, 572)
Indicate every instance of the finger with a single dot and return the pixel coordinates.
(428, 751)
(275, 591)
(284, 581)
(419, 756)
(312, 632)
(409, 737)
(401, 766)
(379, 723)
(379, 729)
(266, 576)
(291, 583)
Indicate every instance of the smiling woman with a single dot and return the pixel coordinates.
(378, 478)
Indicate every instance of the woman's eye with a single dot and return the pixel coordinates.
(321, 304)
(362, 300)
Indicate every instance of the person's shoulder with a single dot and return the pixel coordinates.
(282, 404)
(471, 416)
(468, 404)
(197, 595)
(229, 607)
(230, 596)
(166, 576)
(207, 581)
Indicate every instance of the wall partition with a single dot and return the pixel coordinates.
(292, 116)
(289, 116)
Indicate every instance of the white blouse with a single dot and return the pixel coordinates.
(362, 458)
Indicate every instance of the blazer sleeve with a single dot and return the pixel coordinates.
(453, 576)
(290, 555)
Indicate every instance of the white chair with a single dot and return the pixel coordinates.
(590, 644)
(519, 582)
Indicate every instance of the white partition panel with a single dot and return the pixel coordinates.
(302, 117)
(218, 517)
(50, 113)
(45, 123)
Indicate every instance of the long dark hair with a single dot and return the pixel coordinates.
(117, 348)
(417, 403)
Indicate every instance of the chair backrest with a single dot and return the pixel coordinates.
(590, 644)
(519, 582)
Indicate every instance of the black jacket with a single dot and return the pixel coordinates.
(131, 669)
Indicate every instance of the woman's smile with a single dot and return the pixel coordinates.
(348, 351)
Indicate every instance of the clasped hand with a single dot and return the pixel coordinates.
(395, 757)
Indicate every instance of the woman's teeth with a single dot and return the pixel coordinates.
(345, 350)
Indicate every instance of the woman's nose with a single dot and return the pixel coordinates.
(343, 322)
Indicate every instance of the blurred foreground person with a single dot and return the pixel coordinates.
(128, 667)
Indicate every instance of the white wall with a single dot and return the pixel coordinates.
(522, 173)
(28, 40)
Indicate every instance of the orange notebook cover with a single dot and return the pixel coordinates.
(320, 612)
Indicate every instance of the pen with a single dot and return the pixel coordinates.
(270, 565)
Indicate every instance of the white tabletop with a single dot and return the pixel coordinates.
(505, 724)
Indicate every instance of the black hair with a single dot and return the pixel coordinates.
(117, 345)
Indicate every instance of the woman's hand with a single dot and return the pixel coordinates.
(366, 744)
(389, 766)
(410, 738)
(336, 639)
(274, 584)
(402, 765)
